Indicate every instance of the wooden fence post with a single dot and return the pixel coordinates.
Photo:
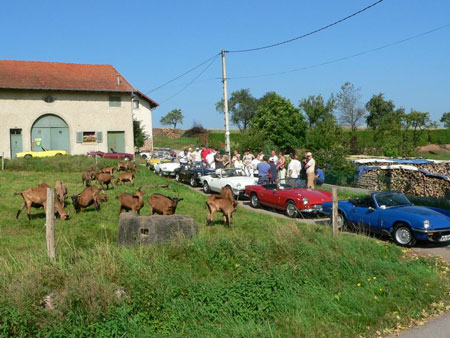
(3, 161)
(50, 224)
(334, 217)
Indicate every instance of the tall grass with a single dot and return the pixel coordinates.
(265, 277)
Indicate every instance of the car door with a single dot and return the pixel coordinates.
(215, 183)
(267, 194)
(364, 214)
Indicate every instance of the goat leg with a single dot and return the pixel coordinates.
(24, 204)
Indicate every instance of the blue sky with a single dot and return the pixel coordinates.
(151, 42)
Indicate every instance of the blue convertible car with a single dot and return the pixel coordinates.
(392, 213)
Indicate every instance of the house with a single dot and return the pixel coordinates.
(65, 106)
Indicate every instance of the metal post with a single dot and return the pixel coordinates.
(50, 224)
(225, 103)
(334, 217)
(3, 161)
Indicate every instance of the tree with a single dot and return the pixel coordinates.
(347, 102)
(326, 134)
(378, 107)
(242, 106)
(417, 122)
(445, 120)
(278, 122)
(138, 133)
(173, 117)
(316, 110)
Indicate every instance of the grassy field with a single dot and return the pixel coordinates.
(265, 277)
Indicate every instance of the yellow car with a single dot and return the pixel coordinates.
(153, 160)
(43, 153)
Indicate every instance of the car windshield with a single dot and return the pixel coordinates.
(391, 199)
(230, 172)
(290, 183)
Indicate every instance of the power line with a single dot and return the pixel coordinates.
(307, 34)
(193, 80)
(185, 73)
(344, 57)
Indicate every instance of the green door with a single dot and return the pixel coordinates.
(116, 141)
(50, 132)
(16, 141)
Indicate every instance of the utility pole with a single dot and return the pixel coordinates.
(225, 103)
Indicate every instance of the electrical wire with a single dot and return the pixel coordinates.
(307, 34)
(344, 57)
(193, 80)
(185, 73)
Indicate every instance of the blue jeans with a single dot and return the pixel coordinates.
(263, 179)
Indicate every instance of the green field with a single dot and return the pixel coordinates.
(266, 277)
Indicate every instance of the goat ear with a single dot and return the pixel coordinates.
(180, 199)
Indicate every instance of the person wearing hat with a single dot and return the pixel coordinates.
(310, 167)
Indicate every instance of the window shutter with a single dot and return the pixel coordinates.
(79, 137)
(99, 137)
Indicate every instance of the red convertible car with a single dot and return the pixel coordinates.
(288, 195)
(112, 154)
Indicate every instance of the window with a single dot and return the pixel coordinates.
(135, 104)
(89, 136)
(49, 99)
(115, 101)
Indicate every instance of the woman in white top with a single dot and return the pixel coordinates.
(238, 164)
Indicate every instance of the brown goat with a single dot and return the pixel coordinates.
(132, 168)
(224, 202)
(122, 166)
(125, 177)
(163, 205)
(104, 178)
(61, 191)
(108, 170)
(87, 177)
(37, 198)
(89, 196)
(132, 202)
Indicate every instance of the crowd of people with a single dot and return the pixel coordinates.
(269, 169)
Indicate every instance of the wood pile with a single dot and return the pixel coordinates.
(169, 132)
(407, 181)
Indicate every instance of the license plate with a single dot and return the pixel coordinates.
(445, 238)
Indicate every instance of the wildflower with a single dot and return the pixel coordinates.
(374, 278)
(381, 290)
(368, 279)
(358, 285)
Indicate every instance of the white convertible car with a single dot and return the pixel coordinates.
(234, 178)
(166, 168)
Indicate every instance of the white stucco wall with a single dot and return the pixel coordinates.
(144, 114)
(82, 111)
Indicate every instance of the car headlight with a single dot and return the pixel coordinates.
(426, 224)
(305, 200)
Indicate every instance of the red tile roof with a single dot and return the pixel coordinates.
(62, 76)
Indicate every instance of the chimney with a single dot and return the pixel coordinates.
(118, 79)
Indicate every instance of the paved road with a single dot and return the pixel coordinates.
(437, 328)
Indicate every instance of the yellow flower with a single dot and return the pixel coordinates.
(358, 285)
(368, 279)
(381, 290)
(374, 278)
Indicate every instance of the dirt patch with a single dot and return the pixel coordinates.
(435, 149)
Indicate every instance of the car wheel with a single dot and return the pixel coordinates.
(160, 173)
(177, 178)
(144, 156)
(403, 235)
(28, 156)
(254, 200)
(193, 182)
(291, 209)
(58, 154)
(206, 189)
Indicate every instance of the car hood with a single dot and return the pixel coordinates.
(314, 196)
(420, 214)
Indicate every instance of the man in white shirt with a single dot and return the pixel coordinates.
(274, 157)
(210, 160)
(183, 156)
(294, 168)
